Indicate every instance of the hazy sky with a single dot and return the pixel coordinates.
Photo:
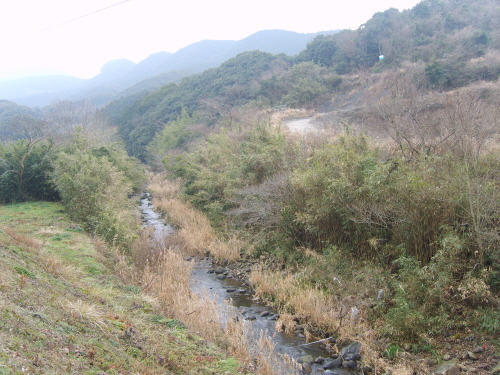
(77, 37)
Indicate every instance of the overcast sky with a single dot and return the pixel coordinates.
(76, 37)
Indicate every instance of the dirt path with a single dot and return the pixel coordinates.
(301, 125)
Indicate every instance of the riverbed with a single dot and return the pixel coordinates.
(235, 300)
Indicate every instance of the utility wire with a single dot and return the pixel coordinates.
(85, 15)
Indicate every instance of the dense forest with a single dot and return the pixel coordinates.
(397, 192)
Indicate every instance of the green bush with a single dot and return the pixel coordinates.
(227, 161)
(95, 194)
(24, 172)
(489, 320)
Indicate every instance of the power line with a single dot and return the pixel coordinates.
(85, 15)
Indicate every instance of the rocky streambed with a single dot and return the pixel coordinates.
(235, 300)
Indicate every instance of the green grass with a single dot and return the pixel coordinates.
(392, 351)
(62, 310)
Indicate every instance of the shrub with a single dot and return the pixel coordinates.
(214, 170)
(24, 172)
(95, 193)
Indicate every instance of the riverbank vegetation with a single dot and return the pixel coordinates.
(380, 226)
(394, 237)
(382, 242)
(74, 155)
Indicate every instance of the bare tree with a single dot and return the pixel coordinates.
(410, 116)
(477, 127)
(68, 117)
(260, 206)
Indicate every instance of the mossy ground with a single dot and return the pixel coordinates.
(62, 309)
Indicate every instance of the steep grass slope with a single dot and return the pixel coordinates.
(63, 310)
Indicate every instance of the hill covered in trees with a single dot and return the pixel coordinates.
(446, 44)
(121, 77)
(448, 35)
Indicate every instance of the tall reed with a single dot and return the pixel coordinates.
(194, 230)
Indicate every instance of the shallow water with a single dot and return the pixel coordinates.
(152, 218)
(240, 304)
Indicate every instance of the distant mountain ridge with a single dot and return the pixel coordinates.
(122, 74)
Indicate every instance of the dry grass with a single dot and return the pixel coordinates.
(49, 231)
(328, 313)
(195, 233)
(162, 188)
(28, 243)
(237, 338)
(285, 323)
(59, 268)
(195, 229)
(88, 311)
(168, 279)
(269, 362)
(227, 250)
(340, 315)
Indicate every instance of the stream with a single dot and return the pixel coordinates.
(235, 301)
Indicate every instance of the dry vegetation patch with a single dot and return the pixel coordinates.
(194, 229)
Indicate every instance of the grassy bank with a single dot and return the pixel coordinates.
(63, 309)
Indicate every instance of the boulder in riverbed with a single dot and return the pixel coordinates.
(351, 352)
(220, 270)
(336, 363)
(305, 359)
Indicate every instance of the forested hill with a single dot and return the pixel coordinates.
(119, 75)
(9, 112)
(140, 121)
(448, 43)
(449, 32)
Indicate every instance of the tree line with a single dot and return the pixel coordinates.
(71, 154)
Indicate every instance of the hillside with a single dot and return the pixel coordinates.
(9, 113)
(143, 118)
(65, 310)
(312, 77)
(458, 39)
